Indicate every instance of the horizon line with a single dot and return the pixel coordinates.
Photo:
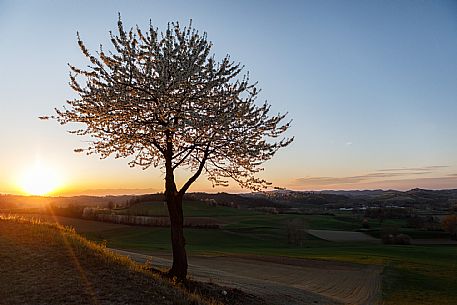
(219, 192)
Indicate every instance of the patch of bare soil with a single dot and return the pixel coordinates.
(285, 280)
(332, 235)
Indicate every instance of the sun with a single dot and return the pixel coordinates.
(39, 180)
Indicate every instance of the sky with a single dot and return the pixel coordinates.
(371, 87)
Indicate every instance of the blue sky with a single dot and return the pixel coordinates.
(371, 87)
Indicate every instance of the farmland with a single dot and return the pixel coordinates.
(410, 272)
(265, 234)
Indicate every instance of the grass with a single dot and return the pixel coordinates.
(190, 208)
(197, 240)
(404, 286)
(48, 264)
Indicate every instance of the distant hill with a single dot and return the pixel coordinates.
(278, 199)
(415, 198)
(311, 198)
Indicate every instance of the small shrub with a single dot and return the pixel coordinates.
(396, 239)
(449, 225)
(402, 239)
(296, 232)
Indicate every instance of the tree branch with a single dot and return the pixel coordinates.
(190, 150)
(192, 179)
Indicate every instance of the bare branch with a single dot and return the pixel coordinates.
(194, 177)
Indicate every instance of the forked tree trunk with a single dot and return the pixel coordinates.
(179, 268)
(174, 204)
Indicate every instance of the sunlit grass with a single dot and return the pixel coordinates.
(45, 263)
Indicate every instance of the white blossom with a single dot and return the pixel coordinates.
(162, 99)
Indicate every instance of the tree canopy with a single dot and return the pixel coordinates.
(163, 95)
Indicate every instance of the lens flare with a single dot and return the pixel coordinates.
(39, 180)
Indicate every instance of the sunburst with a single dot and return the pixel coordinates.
(39, 180)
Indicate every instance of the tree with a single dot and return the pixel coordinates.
(449, 224)
(296, 231)
(163, 100)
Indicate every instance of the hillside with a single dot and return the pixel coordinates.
(48, 264)
(440, 200)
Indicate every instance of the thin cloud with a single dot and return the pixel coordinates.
(407, 184)
(413, 169)
(345, 180)
(383, 174)
(449, 182)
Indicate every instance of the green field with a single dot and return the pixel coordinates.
(413, 274)
(190, 208)
(252, 222)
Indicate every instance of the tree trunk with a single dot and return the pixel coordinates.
(174, 204)
(179, 268)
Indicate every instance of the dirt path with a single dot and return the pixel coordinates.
(283, 280)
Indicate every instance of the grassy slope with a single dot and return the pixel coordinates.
(46, 264)
(413, 274)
